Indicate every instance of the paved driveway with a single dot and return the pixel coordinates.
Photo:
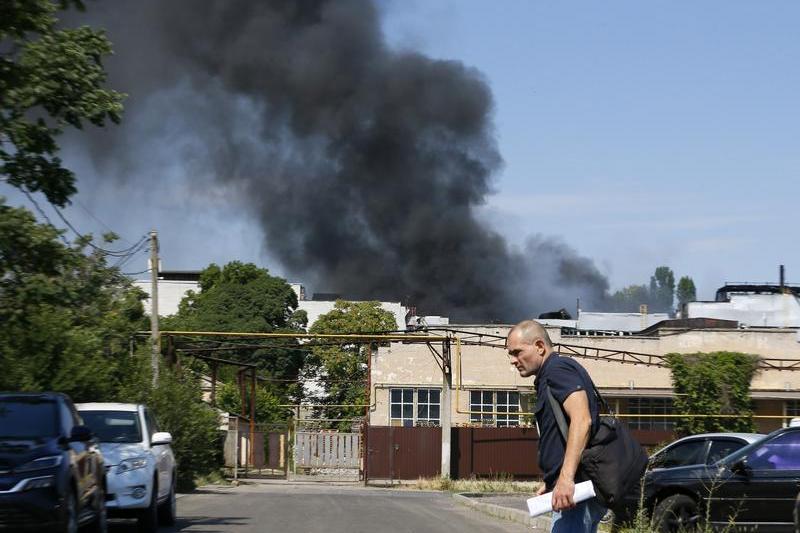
(312, 507)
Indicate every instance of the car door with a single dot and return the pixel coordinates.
(764, 492)
(162, 454)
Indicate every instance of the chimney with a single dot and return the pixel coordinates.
(782, 277)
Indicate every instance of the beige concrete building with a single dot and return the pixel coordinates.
(487, 390)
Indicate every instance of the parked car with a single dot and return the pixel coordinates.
(706, 448)
(754, 487)
(141, 471)
(52, 474)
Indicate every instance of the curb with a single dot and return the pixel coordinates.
(540, 523)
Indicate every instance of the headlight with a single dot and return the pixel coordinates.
(39, 483)
(40, 464)
(131, 464)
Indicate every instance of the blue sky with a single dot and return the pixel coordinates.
(641, 133)
(638, 133)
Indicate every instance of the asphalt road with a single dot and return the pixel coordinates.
(312, 507)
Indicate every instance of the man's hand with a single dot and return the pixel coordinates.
(542, 489)
(563, 494)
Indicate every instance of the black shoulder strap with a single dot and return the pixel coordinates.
(558, 409)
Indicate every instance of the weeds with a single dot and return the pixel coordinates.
(503, 483)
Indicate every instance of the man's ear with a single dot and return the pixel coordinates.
(541, 349)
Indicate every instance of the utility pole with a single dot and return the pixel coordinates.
(155, 336)
(444, 410)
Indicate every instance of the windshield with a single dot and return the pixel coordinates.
(27, 418)
(113, 426)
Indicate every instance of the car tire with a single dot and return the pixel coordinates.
(70, 524)
(148, 518)
(100, 524)
(167, 511)
(676, 513)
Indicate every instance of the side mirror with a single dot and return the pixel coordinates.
(741, 467)
(80, 434)
(162, 437)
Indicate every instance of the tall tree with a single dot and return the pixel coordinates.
(50, 78)
(662, 289)
(686, 291)
(343, 367)
(66, 316)
(241, 297)
(628, 299)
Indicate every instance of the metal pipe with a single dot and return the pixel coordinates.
(376, 338)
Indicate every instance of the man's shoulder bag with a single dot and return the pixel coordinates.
(613, 460)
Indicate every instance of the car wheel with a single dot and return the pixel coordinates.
(167, 511)
(70, 512)
(676, 513)
(100, 524)
(148, 518)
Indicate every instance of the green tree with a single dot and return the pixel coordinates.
(50, 78)
(66, 316)
(343, 367)
(267, 403)
(662, 290)
(713, 384)
(686, 291)
(628, 299)
(241, 297)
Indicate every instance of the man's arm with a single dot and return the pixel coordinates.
(576, 407)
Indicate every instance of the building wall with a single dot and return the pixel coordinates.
(170, 294)
(488, 368)
(756, 310)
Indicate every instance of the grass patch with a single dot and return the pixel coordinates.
(500, 483)
(213, 478)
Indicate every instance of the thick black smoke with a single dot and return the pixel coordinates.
(365, 165)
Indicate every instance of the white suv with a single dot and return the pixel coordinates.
(140, 466)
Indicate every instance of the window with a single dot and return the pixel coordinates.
(780, 453)
(483, 405)
(792, 408)
(722, 448)
(651, 406)
(114, 426)
(685, 453)
(414, 407)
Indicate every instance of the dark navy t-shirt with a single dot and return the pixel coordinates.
(563, 375)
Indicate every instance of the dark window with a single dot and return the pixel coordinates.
(780, 453)
(114, 426)
(405, 410)
(495, 408)
(152, 425)
(685, 453)
(650, 407)
(23, 418)
(67, 420)
(722, 448)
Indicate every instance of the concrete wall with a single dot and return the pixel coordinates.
(315, 308)
(170, 294)
(484, 367)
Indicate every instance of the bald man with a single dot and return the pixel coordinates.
(531, 352)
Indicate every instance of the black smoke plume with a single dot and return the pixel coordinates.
(364, 164)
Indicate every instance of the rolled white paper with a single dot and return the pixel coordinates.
(544, 503)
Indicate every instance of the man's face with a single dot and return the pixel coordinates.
(526, 357)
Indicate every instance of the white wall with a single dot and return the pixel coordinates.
(770, 310)
(170, 294)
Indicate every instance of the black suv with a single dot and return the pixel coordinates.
(51, 471)
(751, 489)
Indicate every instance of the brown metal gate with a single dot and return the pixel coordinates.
(404, 453)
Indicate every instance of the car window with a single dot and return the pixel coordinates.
(685, 453)
(722, 448)
(780, 453)
(114, 426)
(25, 418)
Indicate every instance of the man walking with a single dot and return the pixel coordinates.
(531, 352)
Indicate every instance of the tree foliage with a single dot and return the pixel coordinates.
(711, 384)
(659, 295)
(686, 291)
(66, 315)
(342, 368)
(241, 297)
(50, 78)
